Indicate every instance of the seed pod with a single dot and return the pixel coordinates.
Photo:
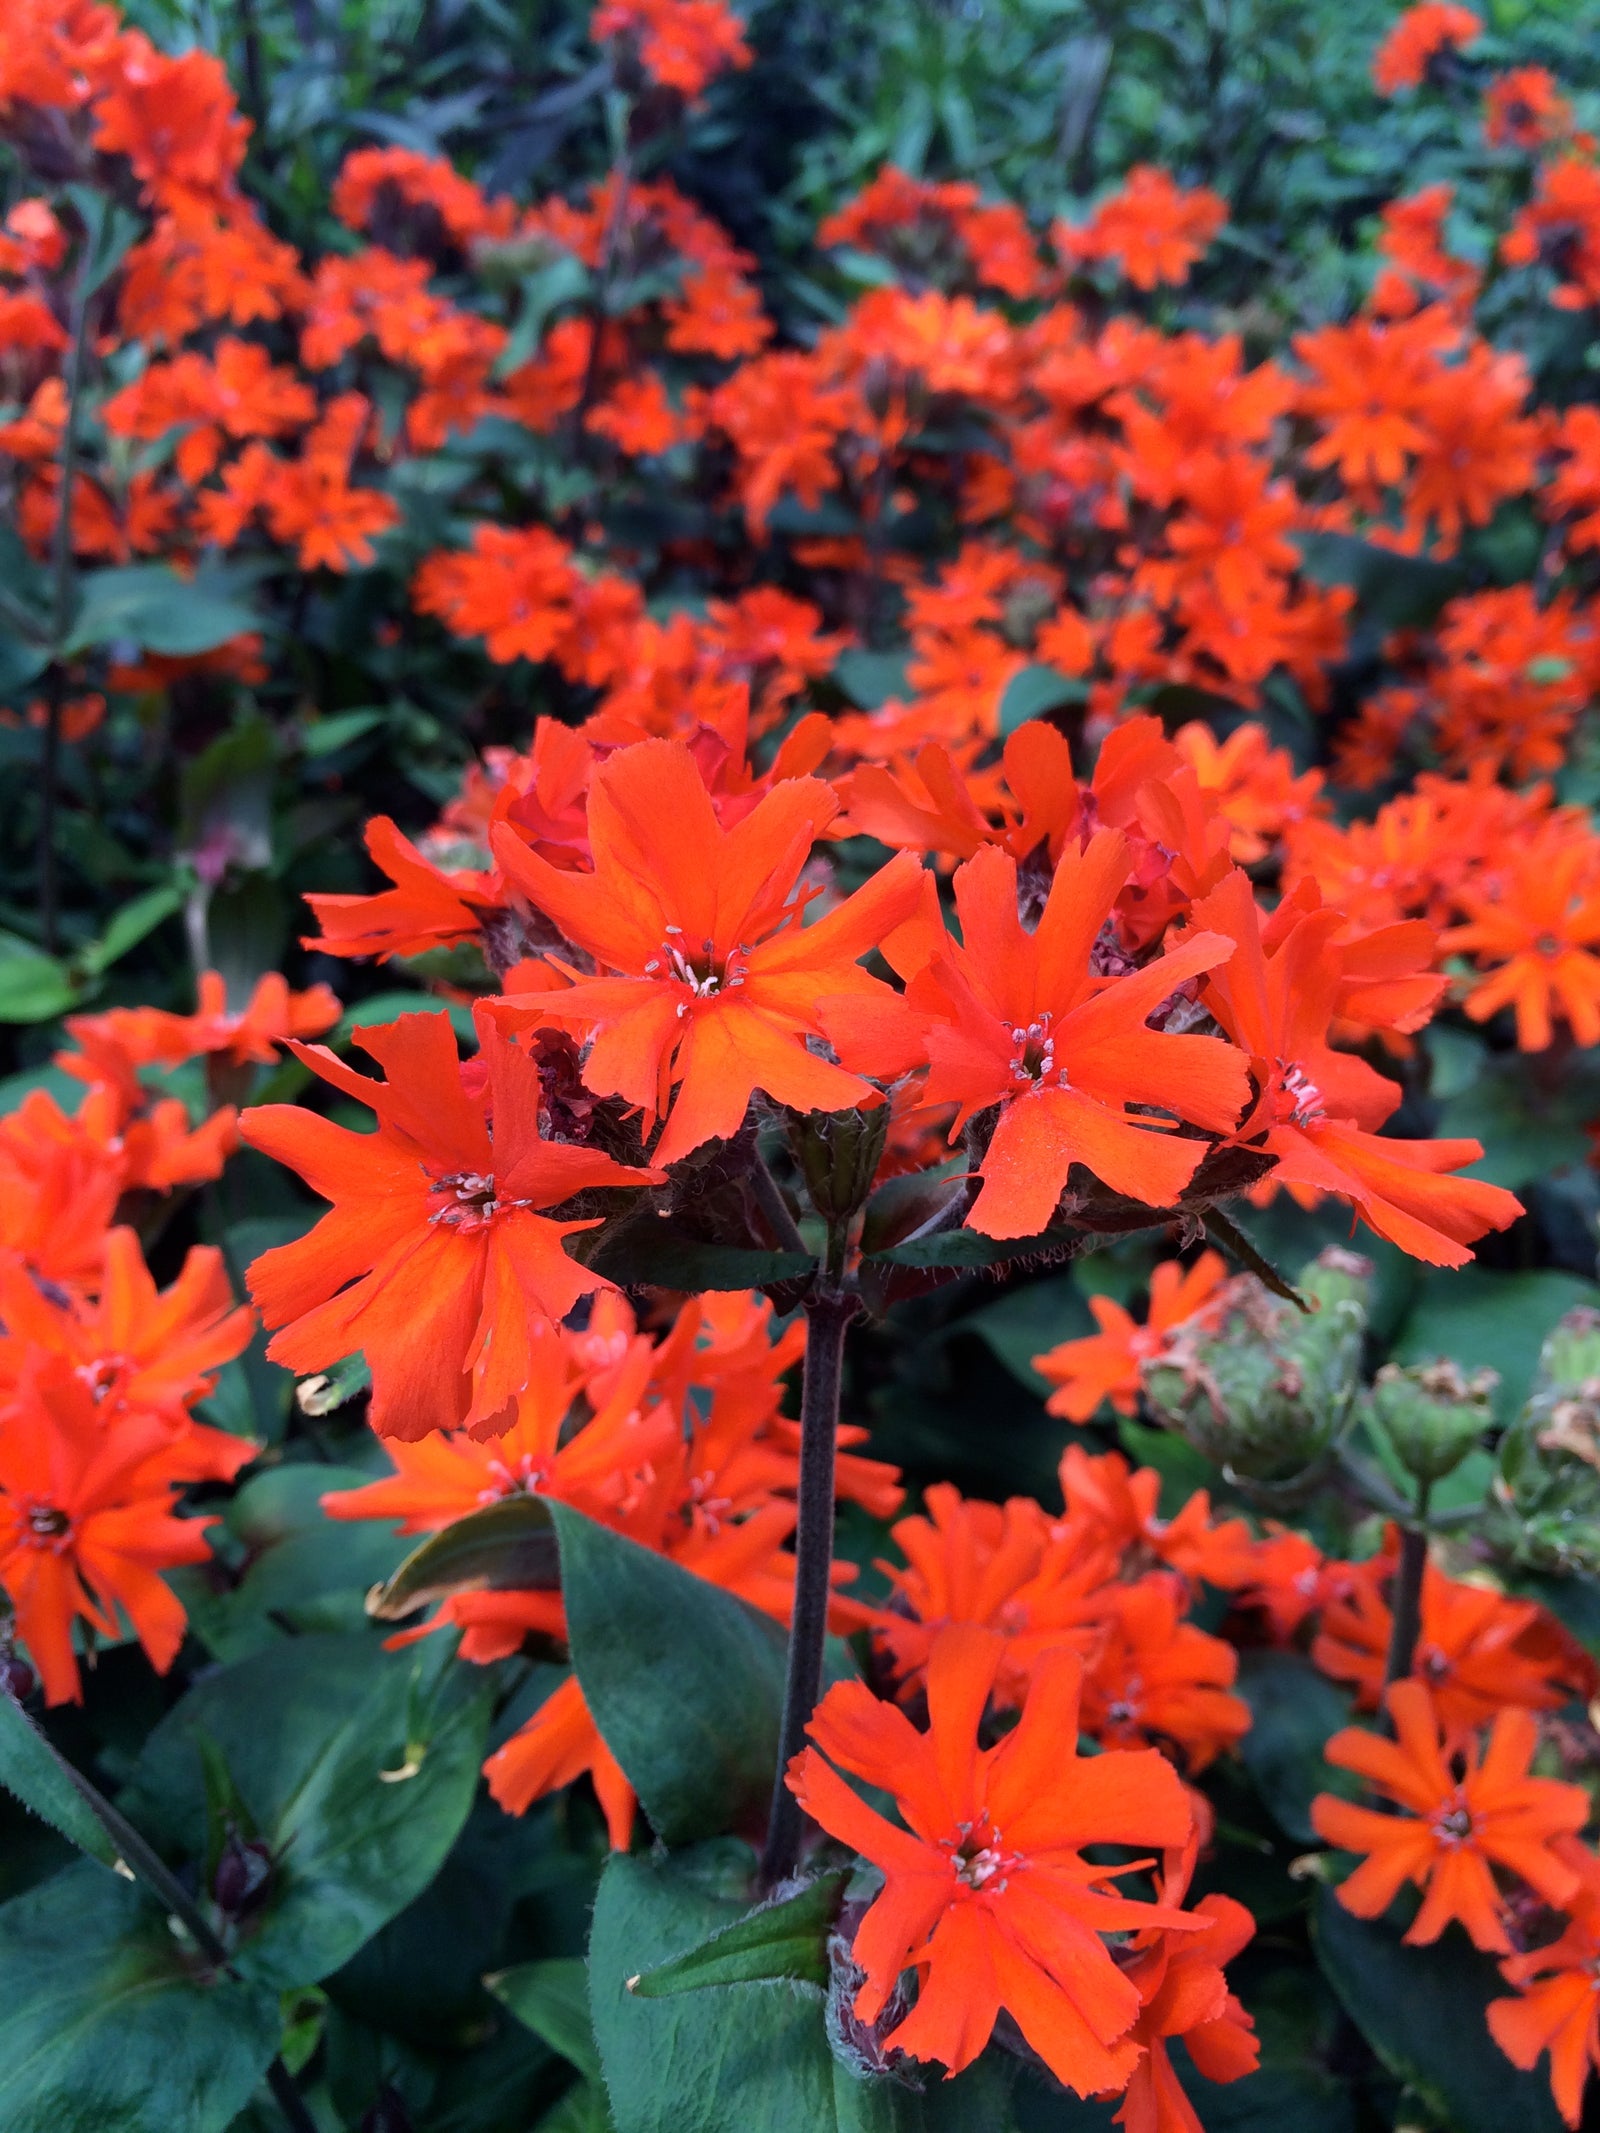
(1547, 1491)
(838, 1153)
(1264, 1390)
(1432, 1414)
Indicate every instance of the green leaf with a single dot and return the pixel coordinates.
(552, 1999)
(685, 1682)
(1422, 2011)
(34, 987)
(132, 924)
(302, 1570)
(1028, 1321)
(150, 605)
(108, 2026)
(509, 1546)
(750, 2058)
(1294, 1711)
(1399, 591)
(786, 1938)
(20, 664)
(1480, 1318)
(31, 1768)
(872, 679)
(648, 1252)
(1033, 692)
(354, 1775)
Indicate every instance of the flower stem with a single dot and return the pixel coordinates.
(1406, 1592)
(828, 1316)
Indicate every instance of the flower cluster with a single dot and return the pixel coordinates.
(100, 1369)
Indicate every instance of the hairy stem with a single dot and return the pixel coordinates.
(774, 1207)
(828, 1316)
(1406, 1593)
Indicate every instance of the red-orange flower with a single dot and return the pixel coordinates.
(716, 981)
(1317, 1106)
(1557, 2009)
(1458, 1818)
(436, 1259)
(1185, 1993)
(1025, 1021)
(987, 1894)
(1105, 1365)
(87, 1525)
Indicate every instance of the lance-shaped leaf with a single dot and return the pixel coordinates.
(508, 1546)
(786, 1938)
(684, 1681)
(552, 1999)
(42, 1781)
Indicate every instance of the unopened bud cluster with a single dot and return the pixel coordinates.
(1263, 1389)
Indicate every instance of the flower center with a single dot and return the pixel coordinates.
(47, 1526)
(977, 1857)
(1033, 1054)
(1300, 1100)
(705, 975)
(467, 1200)
(526, 1478)
(1452, 1825)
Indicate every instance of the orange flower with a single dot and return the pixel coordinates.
(427, 907)
(1536, 933)
(449, 1475)
(995, 1566)
(1476, 1649)
(149, 1036)
(1110, 1504)
(144, 1353)
(1523, 108)
(987, 1894)
(1317, 1105)
(1025, 1021)
(1157, 1678)
(1185, 1994)
(1151, 228)
(1457, 1818)
(435, 1259)
(716, 981)
(1105, 1365)
(1417, 39)
(560, 1743)
(1557, 2009)
(682, 43)
(86, 1525)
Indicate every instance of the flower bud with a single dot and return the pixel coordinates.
(17, 1678)
(240, 1878)
(1262, 1389)
(838, 1153)
(1432, 1414)
(1548, 1487)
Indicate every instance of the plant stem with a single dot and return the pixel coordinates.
(1406, 1591)
(828, 1316)
(60, 615)
(774, 1206)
